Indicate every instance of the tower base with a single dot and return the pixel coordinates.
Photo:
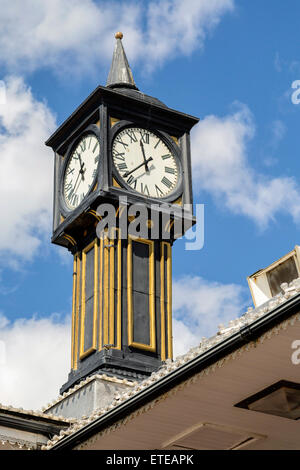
(93, 393)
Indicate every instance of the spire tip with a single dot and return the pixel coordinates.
(119, 35)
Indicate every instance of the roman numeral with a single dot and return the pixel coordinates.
(70, 195)
(68, 186)
(164, 157)
(159, 192)
(120, 141)
(132, 135)
(156, 143)
(119, 156)
(74, 199)
(70, 171)
(96, 145)
(91, 138)
(145, 136)
(132, 181)
(82, 145)
(122, 166)
(169, 170)
(167, 182)
(145, 189)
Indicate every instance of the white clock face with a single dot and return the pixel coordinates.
(81, 171)
(145, 163)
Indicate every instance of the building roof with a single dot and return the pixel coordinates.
(28, 429)
(242, 334)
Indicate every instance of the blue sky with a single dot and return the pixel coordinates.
(229, 62)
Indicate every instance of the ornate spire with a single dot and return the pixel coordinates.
(120, 74)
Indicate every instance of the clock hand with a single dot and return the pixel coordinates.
(76, 181)
(81, 163)
(76, 186)
(137, 167)
(144, 156)
(81, 172)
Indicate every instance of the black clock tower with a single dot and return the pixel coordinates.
(124, 150)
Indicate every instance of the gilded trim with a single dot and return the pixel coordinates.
(70, 239)
(169, 225)
(119, 296)
(77, 297)
(166, 270)
(178, 201)
(113, 121)
(95, 214)
(101, 293)
(91, 246)
(115, 183)
(162, 303)
(111, 293)
(74, 298)
(110, 326)
(152, 346)
(169, 303)
(119, 289)
(105, 287)
(120, 211)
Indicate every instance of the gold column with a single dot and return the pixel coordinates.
(83, 352)
(166, 274)
(152, 346)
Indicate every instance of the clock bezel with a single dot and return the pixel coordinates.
(171, 145)
(92, 129)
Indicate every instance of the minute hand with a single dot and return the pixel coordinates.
(144, 157)
(137, 167)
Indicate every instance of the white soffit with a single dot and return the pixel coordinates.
(210, 436)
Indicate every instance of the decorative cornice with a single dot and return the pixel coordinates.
(38, 414)
(234, 326)
(19, 444)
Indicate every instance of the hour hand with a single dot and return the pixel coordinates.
(82, 171)
(137, 167)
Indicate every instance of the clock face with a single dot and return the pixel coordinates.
(145, 163)
(81, 170)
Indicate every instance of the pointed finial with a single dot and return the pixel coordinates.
(120, 75)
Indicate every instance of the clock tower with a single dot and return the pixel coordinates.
(122, 195)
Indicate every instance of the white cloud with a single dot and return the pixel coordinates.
(26, 171)
(199, 306)
(35, 360)
(221, 167)
(73, 35)
(179, 27)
